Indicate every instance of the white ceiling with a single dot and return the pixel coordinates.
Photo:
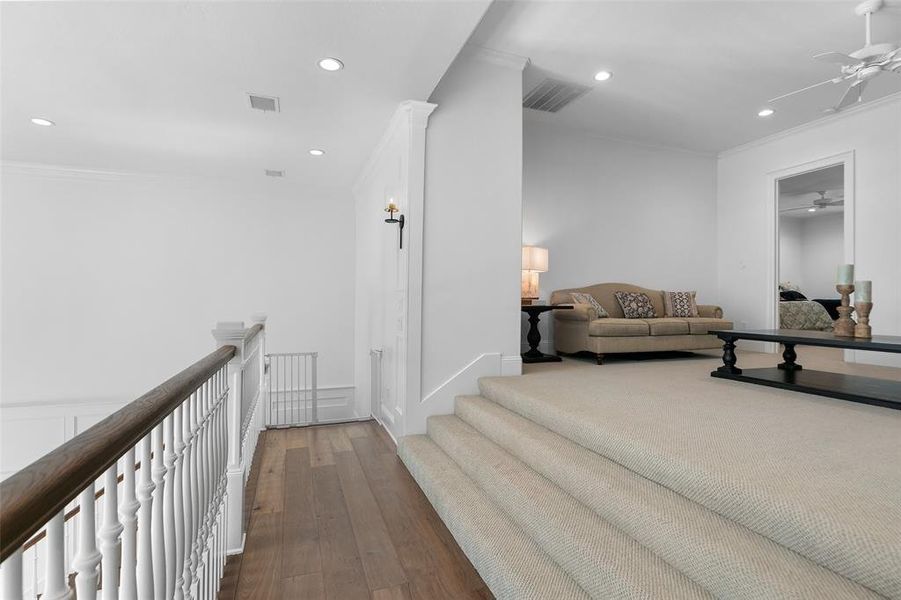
(161, 86)
(687, 74)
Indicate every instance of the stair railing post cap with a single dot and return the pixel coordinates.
(229, 333)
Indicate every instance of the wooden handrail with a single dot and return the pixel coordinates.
(30, 498)
(250, 333)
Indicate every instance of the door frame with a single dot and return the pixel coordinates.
(847, 160)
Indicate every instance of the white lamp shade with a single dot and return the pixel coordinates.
(534, 259)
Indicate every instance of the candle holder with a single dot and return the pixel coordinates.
(391, 209)
(863, 329)
(844, 326)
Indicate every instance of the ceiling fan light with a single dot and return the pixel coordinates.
(766, 112)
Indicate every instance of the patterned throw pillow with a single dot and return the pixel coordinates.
(636, 305)
(680, 304)
(582, 298)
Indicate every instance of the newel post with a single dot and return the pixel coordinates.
(263, 413)
(232, 334)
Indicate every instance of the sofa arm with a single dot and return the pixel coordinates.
(710, 311)
(580, 312)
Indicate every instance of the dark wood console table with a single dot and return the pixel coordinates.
(534, 355)
(790, 375)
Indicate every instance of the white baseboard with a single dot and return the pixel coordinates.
(511, 365)
(333, 403)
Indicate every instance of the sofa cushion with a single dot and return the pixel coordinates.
(604, 294)
(702, 325)
(585, 298)
(636, 305)
(680, 304)
(667, 326)
(611, 327)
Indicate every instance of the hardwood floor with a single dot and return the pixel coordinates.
(334, 514)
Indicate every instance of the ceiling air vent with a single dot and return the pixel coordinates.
(264, 103)
(551, 95)
(273, 173)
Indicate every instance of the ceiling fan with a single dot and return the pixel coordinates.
(860, 66)
(818, 204)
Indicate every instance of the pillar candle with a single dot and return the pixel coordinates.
(845, 275)
(863, 291)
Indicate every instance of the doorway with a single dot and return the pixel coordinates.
(814, 231)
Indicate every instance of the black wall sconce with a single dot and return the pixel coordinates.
(391, 209)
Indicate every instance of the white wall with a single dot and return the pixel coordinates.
(790, 250)
(388, 311)
(822, 248)
(873, 133)
(113, 281)
(613, 211)
(473, 223)
(809, 250)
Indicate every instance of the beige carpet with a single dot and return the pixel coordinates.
(741, 491)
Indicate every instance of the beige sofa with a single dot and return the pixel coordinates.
(580, 329)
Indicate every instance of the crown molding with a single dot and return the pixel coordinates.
(415, 113)
(71, 172)
(815, 124)
(495, 57)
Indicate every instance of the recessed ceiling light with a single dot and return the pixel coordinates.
(602, 75)
(331, 64)
(43, 122)
(317, 152)
(812, 209)
(766, 112)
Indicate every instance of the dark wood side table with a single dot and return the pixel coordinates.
(534, 355)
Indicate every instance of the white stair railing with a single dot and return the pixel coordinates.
(156, 528)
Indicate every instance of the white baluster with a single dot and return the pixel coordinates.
(128, 514)
(157, 524)
(208, 487)
(221, 453)
(178, 503)
(194, 497)
(145, 515)
(201, 526)
(186, 496)
(56, 587)
(11, 575)
(109, 535)
(87, 559)
(169, 507)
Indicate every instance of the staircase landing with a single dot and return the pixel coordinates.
(335, 515)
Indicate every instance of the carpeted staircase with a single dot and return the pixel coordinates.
(557, 499)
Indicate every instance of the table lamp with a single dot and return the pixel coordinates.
(534, 261)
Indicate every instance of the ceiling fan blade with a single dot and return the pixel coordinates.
(809, 87)
(836, 58)
(796, 208)
(852, 94)
(836, 203)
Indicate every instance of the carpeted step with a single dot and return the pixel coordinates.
(726, 558)
(510, 562)
(605, 562)
(816, 475)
